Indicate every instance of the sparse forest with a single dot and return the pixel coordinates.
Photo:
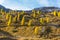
(36, 24)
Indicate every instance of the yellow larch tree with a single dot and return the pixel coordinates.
(15, 19)
(41, 20)
(58, 14)
(18, 17)
(38, 12)
(47, 19)
(22, 22)
(2, 12)
(22, 12)
(29, 23)
(9, 21)
(7, 16)
(38, 30)
(34, 14)
(55, 12)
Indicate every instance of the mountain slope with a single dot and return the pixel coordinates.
(47, 9)
(5, 9)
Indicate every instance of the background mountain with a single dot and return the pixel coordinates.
(43, 9)
(5, 9)
(47, 9)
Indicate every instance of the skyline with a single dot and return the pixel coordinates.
(28, 5)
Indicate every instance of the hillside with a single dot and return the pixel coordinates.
(42, 23)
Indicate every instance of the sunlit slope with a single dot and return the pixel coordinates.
(34, 23)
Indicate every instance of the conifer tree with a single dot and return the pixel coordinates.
(9, 21)
(58, 14)
(34, 14)
(29, 23)
(18, 17)
(7, 16)
(55, 13)
(15, 19)
(36, 30)
(22, 22)
(41, 20)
